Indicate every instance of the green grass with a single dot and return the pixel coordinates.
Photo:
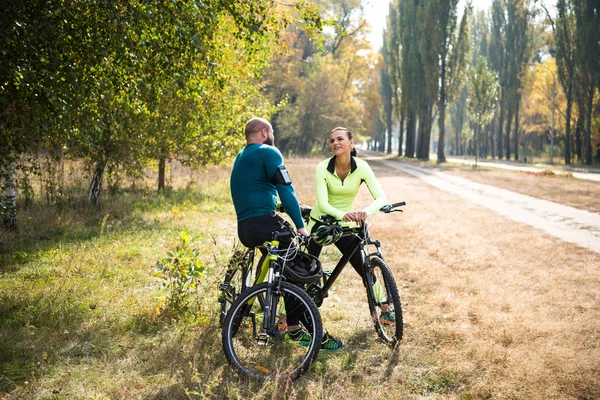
(81, 314)
(83, 317)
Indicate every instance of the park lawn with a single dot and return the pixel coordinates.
(489, 315)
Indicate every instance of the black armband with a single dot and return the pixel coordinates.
(281, 176)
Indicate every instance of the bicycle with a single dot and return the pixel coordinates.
(253, 336)
(238, 276)
(378, 279)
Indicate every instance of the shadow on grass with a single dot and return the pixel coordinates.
(44, 330)
(52, 315)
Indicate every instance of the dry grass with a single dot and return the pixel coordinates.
(508, 311)
(494, 309)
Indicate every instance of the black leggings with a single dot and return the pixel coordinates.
(253, 232)
(344, 245)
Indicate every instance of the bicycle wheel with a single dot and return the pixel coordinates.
(264, 353)
(237, 278)
(385, 294)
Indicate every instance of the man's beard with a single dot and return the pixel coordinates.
(269, 141)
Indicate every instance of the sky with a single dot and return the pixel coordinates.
(376, 13)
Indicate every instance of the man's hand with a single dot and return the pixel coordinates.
(303, 232)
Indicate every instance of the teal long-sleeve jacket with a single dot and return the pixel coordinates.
(252, 191)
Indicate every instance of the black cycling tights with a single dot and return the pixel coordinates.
(344, 245)
(253, 232)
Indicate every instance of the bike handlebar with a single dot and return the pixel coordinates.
(390, 207)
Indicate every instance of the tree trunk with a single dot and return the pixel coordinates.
(477, 130)
(390, 128)
(9, 215)
(441, 157)
(96, 185)
(401, 134)
(411, 127)
(578, 132)
(419, 140)
(568, 122)
(588, 129)
(424, 139)
(161, 173)
(501, 124)
(508, 125)
(456, 139)
(516, 135)
(427, 139)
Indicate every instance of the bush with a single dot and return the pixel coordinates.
(180, 271)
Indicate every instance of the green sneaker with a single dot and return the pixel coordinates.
(329, 343)
(301, 336)
(387, 318)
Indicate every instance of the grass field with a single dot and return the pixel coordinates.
(494, 309)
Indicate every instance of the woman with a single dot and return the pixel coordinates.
(338, 181)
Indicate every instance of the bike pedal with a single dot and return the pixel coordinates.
(262, 339)
(226, 287)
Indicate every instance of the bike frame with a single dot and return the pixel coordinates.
(362, 239)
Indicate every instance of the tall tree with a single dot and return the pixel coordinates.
(394, 66)
(587, 16)
(412, 75)
(565, 42)
(387, 93)
(483, 90)
(454, 50)
(498, 62)
(518, 52)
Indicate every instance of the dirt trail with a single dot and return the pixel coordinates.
(566, 223)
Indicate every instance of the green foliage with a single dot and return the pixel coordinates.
(483, 90)
(181, 271)
(483, 87)
(120, 84)
(341, 75)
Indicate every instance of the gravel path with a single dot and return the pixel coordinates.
(579, 173)
(566, 223)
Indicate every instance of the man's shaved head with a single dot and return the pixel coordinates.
(255, 125)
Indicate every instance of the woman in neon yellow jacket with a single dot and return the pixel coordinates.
(338, 181)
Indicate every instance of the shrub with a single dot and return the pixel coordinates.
(180, 271)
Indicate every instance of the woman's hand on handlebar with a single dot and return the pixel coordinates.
(357, 216)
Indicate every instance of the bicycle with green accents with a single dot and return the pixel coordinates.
(253, 333)
(243, 272)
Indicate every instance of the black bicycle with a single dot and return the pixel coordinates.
(243, 271)
(253, 333)
(382, 291)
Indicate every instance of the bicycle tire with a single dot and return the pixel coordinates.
(379, 272)
(276, 358)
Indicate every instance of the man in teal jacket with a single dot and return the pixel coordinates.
(257, 178)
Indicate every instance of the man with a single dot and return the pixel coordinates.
(258, 176)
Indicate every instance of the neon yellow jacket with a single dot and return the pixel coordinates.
(336, 198)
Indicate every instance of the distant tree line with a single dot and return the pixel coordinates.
(428, 53)
(321, 84)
